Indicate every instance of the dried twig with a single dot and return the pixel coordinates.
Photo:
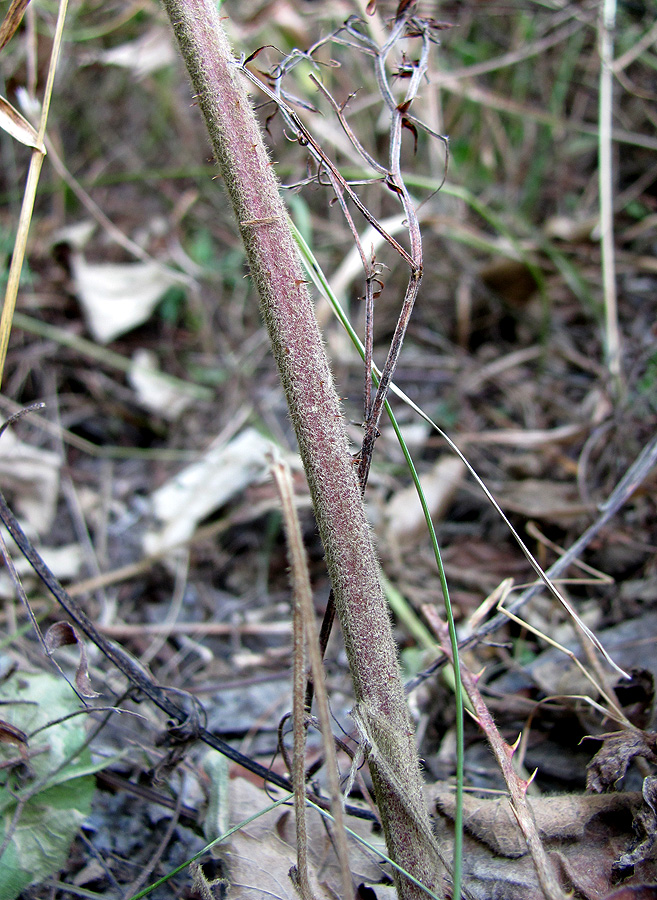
(189, 718)
(637, 472)
(606, 187)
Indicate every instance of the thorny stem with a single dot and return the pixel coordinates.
(503, 753)
(381, 712)
(394, 181)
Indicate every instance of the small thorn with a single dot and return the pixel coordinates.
(514, 746)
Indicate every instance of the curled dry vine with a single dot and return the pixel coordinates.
(352, 34)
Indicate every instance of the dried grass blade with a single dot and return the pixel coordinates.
(12, 20)
(29, 196)
(17, 126)
(304, 612)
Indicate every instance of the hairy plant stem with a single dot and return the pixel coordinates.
(381, 711)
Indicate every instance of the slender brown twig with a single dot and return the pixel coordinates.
(306, 643)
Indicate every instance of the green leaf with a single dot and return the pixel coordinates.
(58, 788)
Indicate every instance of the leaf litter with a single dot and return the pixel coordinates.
(129, 447)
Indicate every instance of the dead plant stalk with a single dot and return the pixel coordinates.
(306, 643)
(381, 710)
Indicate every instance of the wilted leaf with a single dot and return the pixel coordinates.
(30, 476)
(642, 847)
(17, 126)
(610, 763)
(260, 856)
(634, 892)
(406, 123)
(118, 297)
(9, 734)
(404, 7)
(49, 820)
(63, 634)
(582, 833)
(557, 818)
(257, 859)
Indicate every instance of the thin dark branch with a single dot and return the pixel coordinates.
(638, 471)
(137, 676)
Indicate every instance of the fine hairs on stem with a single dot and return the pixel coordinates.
(336, 491)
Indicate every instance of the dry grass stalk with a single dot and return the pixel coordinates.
(36, 161)
(606, 187)
(306, 640)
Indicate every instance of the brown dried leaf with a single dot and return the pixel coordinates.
(645, 828)
(404, 7)
(9, 734)
(12, 20)
(634, 892)
(63, 634)
(584, 834)
(439, 25)
(557, 818)
(260, 855)
(610, 763)
(406, 123)
(17, 126)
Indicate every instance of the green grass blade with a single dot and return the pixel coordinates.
(223, 837)
(375, 850)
